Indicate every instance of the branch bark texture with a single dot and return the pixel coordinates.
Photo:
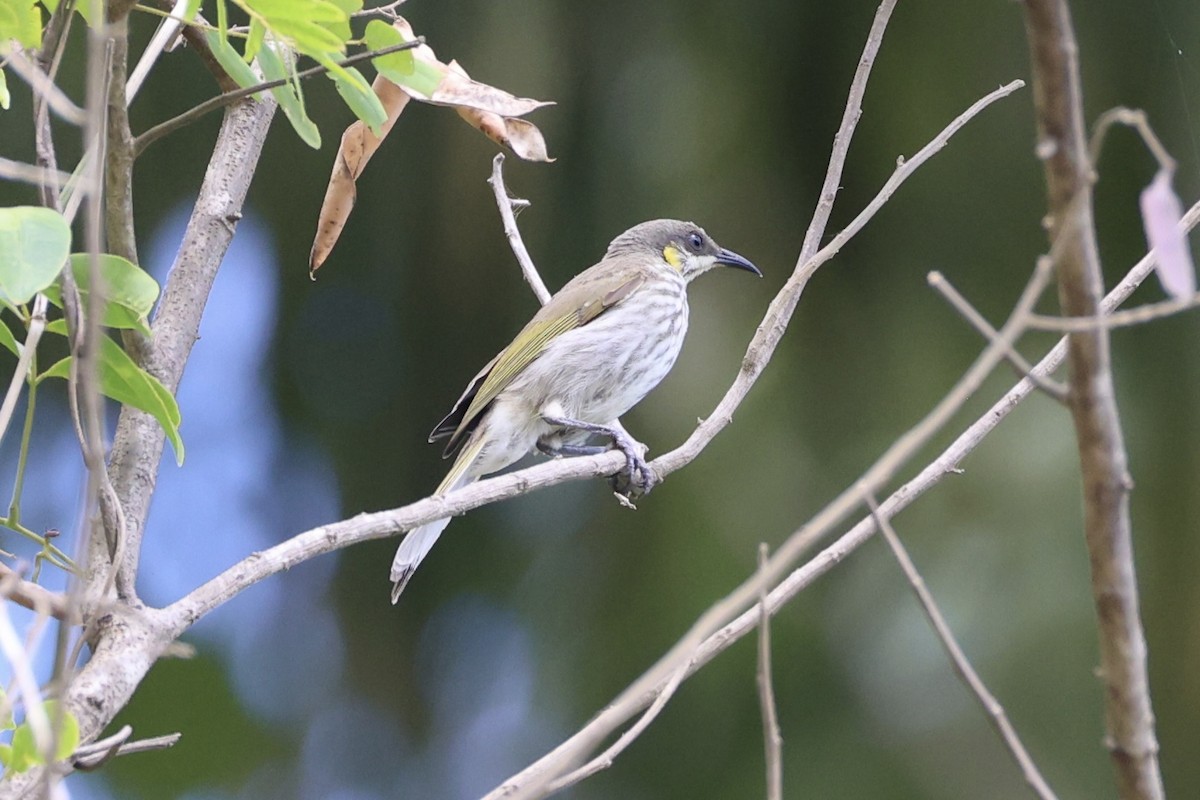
(138, 444)
(1063, 149)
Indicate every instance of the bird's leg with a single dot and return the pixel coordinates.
(564, 449)
(637, 473)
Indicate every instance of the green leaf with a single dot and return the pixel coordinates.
(130, 291)
(362, 99)
(126, 382)
(315, 10)
(314, 27)
(24, 752)
(5, 755)
(396, 67)
(68, 732)
(20, 20)
(5, 99)
(289, 97)
(34, 243)
(10, 343)
(310, 38)
(231, 61)
(84, 7)
(254, 43)
(6, 722)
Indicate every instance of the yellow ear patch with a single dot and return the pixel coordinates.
(673, 256)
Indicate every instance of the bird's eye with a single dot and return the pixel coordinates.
(695, 241)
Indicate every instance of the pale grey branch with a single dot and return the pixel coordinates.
(506, 205)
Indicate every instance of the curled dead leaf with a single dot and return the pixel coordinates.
(357, 146)
(518, 135)
(493, 111)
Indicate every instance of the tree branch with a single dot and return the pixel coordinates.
(138, 444)
(507, 206)
(1058, 101)
(772, 741)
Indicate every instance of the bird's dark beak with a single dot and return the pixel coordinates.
(728, 258)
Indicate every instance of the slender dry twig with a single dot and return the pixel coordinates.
(30, 595)
(968, 312)
(772, 741)
(1118, 319)
(1129, 716)
(98, 753)
(388, 10)
(26, 682)
(44, 87)
(962, 666)
(37, 324)
(30, 173)
(144, 140)
(605, 759)
(506, 205)
(161, 41)
(1136, 119)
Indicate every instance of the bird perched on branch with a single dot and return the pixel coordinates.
(589, 355)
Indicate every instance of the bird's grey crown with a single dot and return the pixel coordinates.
(656, 234)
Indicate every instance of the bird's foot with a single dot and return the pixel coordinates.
(637, 479)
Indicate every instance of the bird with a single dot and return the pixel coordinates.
(591, 353)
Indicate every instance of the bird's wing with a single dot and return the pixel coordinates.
(566, 311)
(450, 423)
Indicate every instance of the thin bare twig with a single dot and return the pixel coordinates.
(960, 304)
(26, 682)
(44, 87)
(1058, 95)
(161, 41)
(98, 753)
(144, 140)
(37, 324)
(506, 205)
(605, 759)
(1136, 119)
(1118, 319)
(30, 595)
(30, 173)
(962, 666)
(772, 741)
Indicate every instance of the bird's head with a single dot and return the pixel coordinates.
(680, 247)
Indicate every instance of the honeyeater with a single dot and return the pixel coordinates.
(599, 346)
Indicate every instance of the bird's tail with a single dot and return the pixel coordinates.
(419, 541)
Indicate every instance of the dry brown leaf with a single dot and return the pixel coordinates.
(492, 111)
(357, 146)
(518, 135)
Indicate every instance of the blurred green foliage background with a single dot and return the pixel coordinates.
(543, 608)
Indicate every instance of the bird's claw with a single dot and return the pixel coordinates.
(637, 479)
